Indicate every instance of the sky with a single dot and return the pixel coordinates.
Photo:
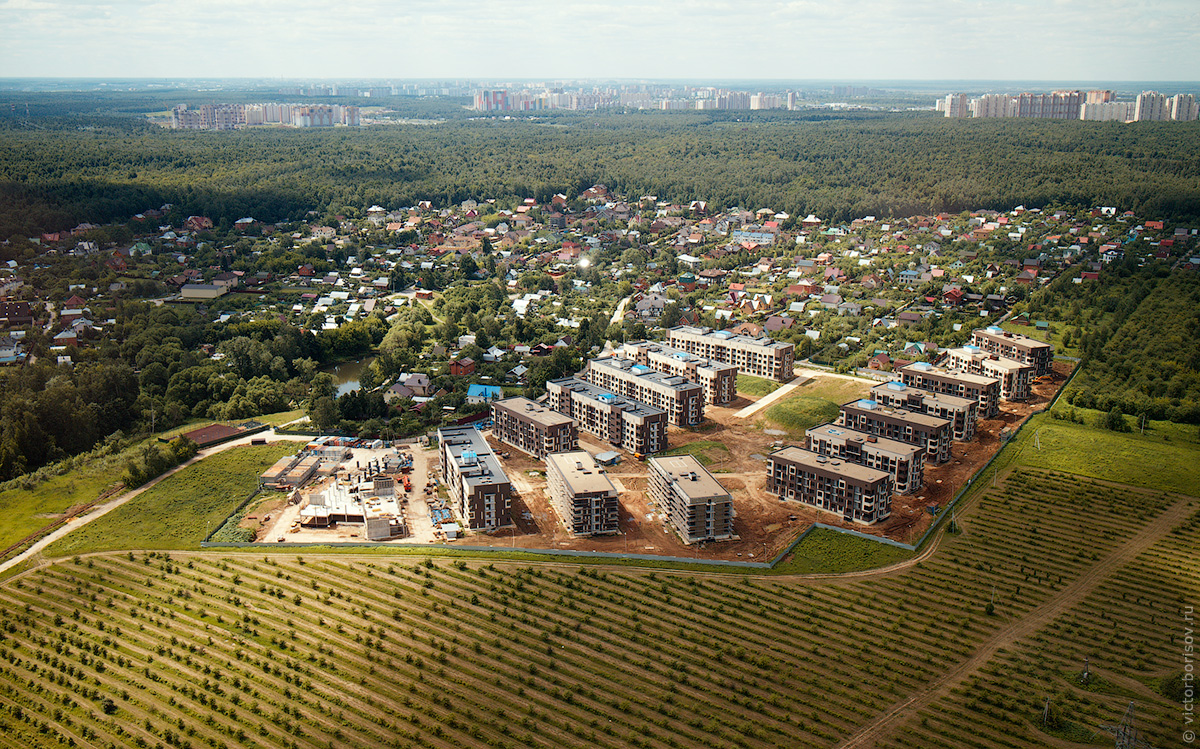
(1070, 40)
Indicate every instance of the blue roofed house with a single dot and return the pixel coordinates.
(483, 393)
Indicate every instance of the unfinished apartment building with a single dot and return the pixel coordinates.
(1016, 379)
(857, 493)
(902, 425)
(903, 461)
(533, 428)
(581, 494)
(963, 413)
(682, 400)
(480, 492)
(983, 390)
(760, 357)
(620, 421)
(695, 503)
(1020, 348)
(718, 381)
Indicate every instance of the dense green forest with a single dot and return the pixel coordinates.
(56, 171)
(1136, 331)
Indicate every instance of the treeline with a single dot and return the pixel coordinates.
(155, 460)
(151, 373)
(1136, 333)
(68, 170)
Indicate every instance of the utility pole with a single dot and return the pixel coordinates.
(1125, 733)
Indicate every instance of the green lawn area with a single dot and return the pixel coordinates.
(823, 550)
(25, 511)
(179, 511)
(1167, 457)
(759, 386)
(705, 451)
(812, 404)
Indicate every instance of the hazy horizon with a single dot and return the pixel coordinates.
(714, 40)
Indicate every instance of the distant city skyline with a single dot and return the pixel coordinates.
(992, 40)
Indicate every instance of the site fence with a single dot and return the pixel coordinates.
(491, 550)
(236, 511)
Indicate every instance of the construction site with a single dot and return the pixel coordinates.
(338, 489)
(368, 492)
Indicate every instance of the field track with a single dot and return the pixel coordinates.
(1035, 620)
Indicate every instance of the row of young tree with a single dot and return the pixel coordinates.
(59, 173)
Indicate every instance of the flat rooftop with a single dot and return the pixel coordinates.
(864, 405)
(535, 412)
(967, 377)
(599, 395)
(843, 435)
(950, 401)
(691, 478)
(994, 361)
(653, 348)
(472, 455)
(727, 337)
(829, 466)
(674, 382)
(580, 473)
(1000, 335)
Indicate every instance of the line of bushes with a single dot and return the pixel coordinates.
(155, 460)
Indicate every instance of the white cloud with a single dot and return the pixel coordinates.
(871, 39)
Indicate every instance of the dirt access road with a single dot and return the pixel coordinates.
(107, 507)
(872, 733)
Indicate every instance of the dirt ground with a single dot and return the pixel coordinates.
(764, 524)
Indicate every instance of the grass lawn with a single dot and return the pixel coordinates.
(1171, 464)
(178, 512)
(823, 550)
(812, 404)
(705, 451)
(759, 386)
(28, 510)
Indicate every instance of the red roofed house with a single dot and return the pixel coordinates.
(197, 223)
(462, 367)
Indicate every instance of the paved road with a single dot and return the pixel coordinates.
(107, 507)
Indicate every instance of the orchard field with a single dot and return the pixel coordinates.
(193, 649)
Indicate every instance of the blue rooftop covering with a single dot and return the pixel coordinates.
(484, 391)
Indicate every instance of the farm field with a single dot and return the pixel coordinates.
(1126, 635)
(1171, 464)
(196, 649)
